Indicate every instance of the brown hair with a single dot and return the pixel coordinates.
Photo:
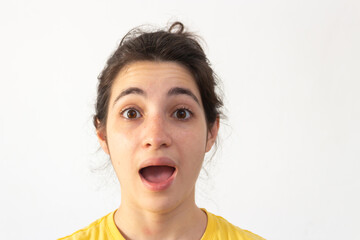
(174, 45)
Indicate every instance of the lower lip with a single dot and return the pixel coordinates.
(160, 186)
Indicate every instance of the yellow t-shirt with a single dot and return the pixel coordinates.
(217, 229)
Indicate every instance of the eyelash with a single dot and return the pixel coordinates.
(138, 114)
(189, 113)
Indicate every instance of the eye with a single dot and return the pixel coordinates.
(182, 114)
(130, 113)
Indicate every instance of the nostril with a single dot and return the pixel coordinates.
(154, 144)
(157, 139)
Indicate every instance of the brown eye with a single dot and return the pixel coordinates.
(182, 114)
(131, 113)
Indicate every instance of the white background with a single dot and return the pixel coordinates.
(288, 162)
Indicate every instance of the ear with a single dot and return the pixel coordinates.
(212, 135)
(101, 134)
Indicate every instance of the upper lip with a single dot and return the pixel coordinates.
(159, 161)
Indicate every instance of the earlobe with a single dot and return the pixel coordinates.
(212, 134)
(102, 140)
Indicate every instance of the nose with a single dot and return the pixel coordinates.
(156, 133)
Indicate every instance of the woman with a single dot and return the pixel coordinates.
(157, 114)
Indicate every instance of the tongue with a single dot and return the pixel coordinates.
(157, 174)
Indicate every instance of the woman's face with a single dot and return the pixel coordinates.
(156, 135)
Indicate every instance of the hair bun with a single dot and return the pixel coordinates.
(176, 27)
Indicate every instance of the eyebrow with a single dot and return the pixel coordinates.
(172, 92)
(128, 91)
(179, 91)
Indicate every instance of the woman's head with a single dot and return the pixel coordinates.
(157, 115)
(174, 45)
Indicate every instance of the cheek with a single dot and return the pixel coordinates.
(122, 158)
(121, 146)
(192, 146)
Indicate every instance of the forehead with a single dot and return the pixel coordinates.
(154, 77)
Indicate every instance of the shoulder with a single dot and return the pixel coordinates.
(100, 229)
(220, 228)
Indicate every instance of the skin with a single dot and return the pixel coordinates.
(151, 123)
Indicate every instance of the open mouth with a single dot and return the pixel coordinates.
(157, 174)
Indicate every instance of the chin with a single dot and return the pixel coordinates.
(160, 202)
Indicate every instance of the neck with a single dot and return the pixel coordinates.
(185, 221)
